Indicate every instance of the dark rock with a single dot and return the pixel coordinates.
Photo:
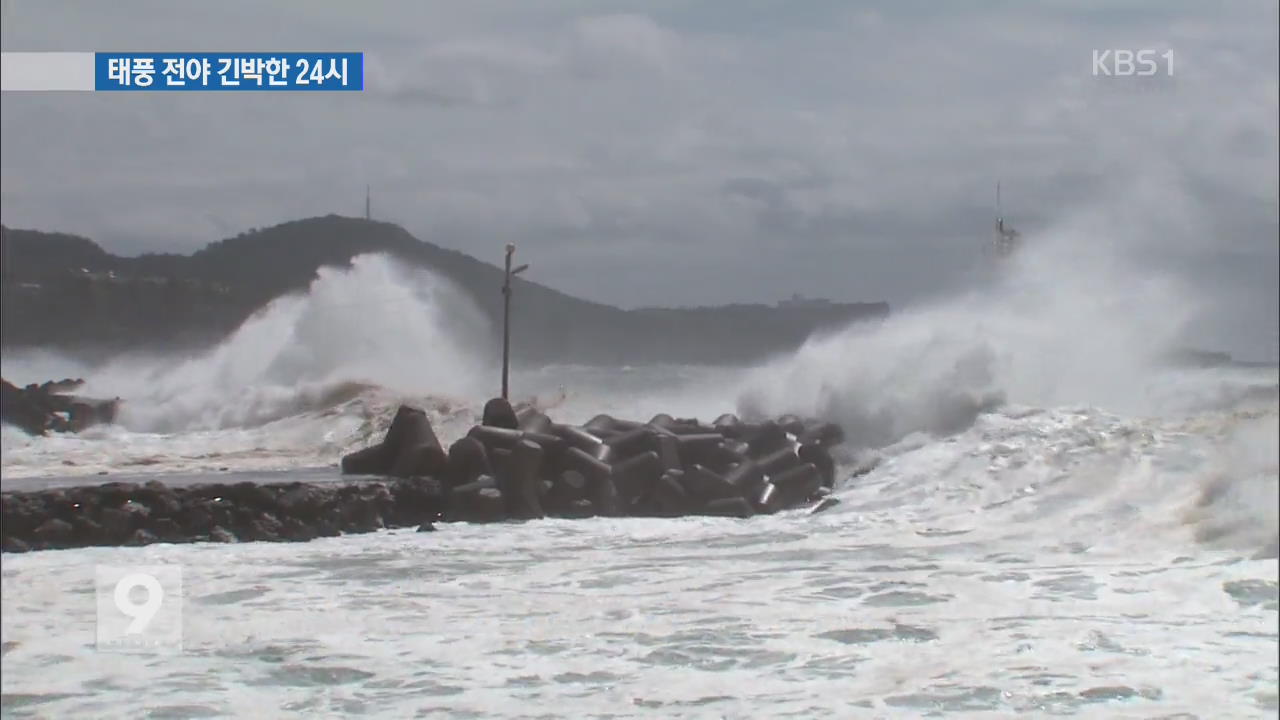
(409, 448)
(222, 535)
(420, 460)
(636, 476)
(294, 529)
(496, 438)
(698, 448)
(39, 409)
(22, 407)
(22, 513)
(499, 459)
(725, 421)
(568, 487)
(426, 527)
(89, 532)
(670, 497)
(600, 424)
(530, 419)
(160, 499)
(365, 508)
(791, 424)
(729, 507)
(768, 438)
(826, 434)
(574, 482)
(498, 413)
(766, 498)
(55, 532)
(114, 494)
(141, 537)
(15, 545)
(262, 527)
(468, 460)
(725, 455)
(415, 450)
(605, 499)
(479, 501)
(168, 530)
(580, 508)
(668, 449)
(489, 505)
(305, 502)
(626, 445)
(661, 420)
(690, 426)
(576, 437)
(819, 457)
(194, 519)
(592, 469)
(552, 446)
(519, 482)
(791, 487)
(417, 500)
(480, 483)
(746, 477)
(329, 524)
(251, 495)
(373, 460)
(778, 461)
(704, 485)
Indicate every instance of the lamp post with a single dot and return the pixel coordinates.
(506, 315)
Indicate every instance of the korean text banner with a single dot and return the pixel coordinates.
(226, 71)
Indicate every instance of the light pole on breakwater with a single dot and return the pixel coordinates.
(506, 316)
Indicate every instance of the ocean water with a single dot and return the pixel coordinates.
(1044, 521)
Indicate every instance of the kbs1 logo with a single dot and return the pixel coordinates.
(1132, 63)
(139, 608)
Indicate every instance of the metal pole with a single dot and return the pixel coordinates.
(506, 321)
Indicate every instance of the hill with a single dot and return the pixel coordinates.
(66, 292)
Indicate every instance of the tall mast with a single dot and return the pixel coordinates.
(368, 214)
(1006, 237)
(999, 217)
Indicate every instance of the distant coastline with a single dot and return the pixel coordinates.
(67, 293)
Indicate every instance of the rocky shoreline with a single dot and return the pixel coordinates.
(41, 409)
(513, 466)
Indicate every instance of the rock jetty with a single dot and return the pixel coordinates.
(140, 514)
(523, 465)
(513, 466)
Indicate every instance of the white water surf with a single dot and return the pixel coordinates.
(1055, 524)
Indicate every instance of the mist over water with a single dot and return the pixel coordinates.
(1071, 320)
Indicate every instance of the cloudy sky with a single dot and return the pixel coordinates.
(671, 152)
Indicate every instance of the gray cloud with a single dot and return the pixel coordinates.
(670, 152)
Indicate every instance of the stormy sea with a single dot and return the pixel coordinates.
(1039, 515)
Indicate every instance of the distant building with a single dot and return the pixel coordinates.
(802, 302)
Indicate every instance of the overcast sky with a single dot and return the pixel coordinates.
(676, 152)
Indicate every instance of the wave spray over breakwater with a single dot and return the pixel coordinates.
(303, 379)
(1070, 321)
(1046, 518)
(1054, 374)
